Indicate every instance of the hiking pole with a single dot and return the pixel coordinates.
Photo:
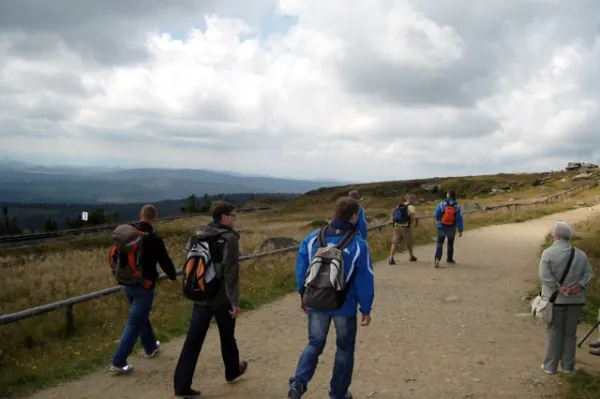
(588, 334)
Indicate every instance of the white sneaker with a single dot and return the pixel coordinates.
(151, 355)
(546, 371)
(121, 370)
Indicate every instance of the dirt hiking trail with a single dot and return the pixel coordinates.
(453, 332)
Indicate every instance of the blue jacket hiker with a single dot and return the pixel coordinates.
(312, 259)
(449, 218)
(361, 224)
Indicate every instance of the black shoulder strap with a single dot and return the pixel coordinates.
(321, 236)
(564, 275)
(346, 239)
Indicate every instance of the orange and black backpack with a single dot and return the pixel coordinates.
(126, 254)
(449, 215)
(202, 269)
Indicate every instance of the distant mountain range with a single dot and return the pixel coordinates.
(28, 183)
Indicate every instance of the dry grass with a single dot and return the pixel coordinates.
(34, 353)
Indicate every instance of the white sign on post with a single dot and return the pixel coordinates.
(84, 216)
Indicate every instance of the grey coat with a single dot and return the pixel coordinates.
(552, 265)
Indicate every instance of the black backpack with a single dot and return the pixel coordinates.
(202, 269)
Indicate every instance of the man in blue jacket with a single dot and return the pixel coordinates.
(361, 223)
(358, 269)
(448, 216)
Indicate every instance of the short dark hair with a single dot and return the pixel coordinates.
(452, 194)
(220, 208)
(149, 212)
(345, 208)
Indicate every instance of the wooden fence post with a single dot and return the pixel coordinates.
(70, 318)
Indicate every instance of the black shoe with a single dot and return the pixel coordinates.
(296, 391)
(451, 262)
(412, 259)
(188, 393)
(391, 261)
(243, 368)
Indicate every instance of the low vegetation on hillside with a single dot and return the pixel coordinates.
(36, 352)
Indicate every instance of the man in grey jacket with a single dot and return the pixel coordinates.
(224, 307)
(562, 330)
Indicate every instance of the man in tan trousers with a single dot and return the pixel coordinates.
(404, 221)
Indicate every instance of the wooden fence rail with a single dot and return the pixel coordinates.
(68, 304)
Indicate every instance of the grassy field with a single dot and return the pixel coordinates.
(35, 352)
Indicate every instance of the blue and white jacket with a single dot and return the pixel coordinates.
(357, 259)
(361, 224)
(439, 211)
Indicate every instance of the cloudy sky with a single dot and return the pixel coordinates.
(348, 89)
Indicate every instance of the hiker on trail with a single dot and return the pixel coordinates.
(322, 253)
(220, 298)
(595, 345)
(570, 296)
(404, 219)
(448, 216)
(140, 294)
(361, 224)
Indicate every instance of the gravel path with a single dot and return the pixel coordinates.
(453, 332)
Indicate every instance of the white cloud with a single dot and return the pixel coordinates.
(354, 90)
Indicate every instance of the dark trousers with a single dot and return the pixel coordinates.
(201, 317)
(443, 232)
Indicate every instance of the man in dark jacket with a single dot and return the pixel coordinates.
(224, 307)
(141, 298)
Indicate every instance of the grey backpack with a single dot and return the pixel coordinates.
(126, 254)
(325, 286)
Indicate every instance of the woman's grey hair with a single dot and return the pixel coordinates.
(562, 229)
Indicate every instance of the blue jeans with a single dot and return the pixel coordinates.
(443, 232)
(318, 328)
(138, 324)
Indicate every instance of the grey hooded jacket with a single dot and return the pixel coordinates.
(552, 265)
(229, 293)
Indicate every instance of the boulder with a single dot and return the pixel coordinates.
(573, 166)
(537, 182)
(472, 207)
(432, 188)
(583, 176)
(278, 243)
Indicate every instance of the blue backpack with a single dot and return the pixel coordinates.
(401, 214)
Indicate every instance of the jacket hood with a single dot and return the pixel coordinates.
(213, 229)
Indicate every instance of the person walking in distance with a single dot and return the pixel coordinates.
(334, 275)
(140, 294)
(404, 218)
(448, 216)
(361, 224)
(222, 242)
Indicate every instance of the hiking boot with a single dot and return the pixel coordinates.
(243, 368)
(391, 261)
(121, 370)
(296, 391)
(436, 263)
(451, 262)
(412, 258)
(154, 352)
(188, 393)
(594, 344)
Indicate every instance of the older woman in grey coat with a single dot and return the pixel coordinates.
(562, 330)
